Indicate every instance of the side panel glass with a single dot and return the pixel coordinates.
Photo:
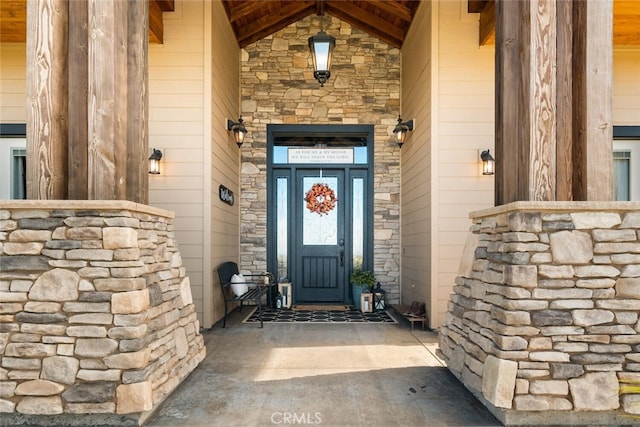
(358, 222)
(282, 215)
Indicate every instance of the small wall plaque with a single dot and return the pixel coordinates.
(226, 195)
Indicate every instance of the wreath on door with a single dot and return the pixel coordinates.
(321, 199)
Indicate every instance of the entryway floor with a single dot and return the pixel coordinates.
(329, 374)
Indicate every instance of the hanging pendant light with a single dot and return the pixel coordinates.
(321, 46)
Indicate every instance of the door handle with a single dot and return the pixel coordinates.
(341, 258)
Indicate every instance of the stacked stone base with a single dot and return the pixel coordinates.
(98, 323)
(543, 324)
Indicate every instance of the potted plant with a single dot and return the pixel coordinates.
(361, 280)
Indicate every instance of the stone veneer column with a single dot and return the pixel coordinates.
(278, 88)
(96, 312)
(543, 322)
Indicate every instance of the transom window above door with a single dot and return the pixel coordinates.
(347, 150)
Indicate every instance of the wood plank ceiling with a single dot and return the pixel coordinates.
(626, 21)
(13, 20)
(389, 20)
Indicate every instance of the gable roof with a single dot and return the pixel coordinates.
(389, 20)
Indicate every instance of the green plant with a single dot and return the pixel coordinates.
(363, 278)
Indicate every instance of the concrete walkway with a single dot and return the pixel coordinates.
(321, 374)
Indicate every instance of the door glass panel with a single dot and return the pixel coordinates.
(319, 229)
(282, 249)
(358, 222)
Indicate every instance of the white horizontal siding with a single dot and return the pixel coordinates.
(626, 87)
(176, 126)
(465, 126)
(13, 81)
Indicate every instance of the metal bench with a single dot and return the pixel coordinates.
(259, 285)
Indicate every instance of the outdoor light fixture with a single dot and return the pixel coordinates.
(379, 299)
(321, 46)
(488, 163)
(154, 162)
(239, 131)
(401, 129)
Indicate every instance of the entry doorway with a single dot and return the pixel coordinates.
(319, 208)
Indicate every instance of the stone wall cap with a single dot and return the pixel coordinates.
(582, 206)
(99, 205)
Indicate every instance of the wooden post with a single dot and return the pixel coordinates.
(138, 103)
(593, 114)
(525, 100)
(107, 115)
(47, 99)
(88, 100)
(553, 100)
(78, 101)
(564, 102)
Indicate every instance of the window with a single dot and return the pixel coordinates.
(13, 162)
(18, 173)
(626, 170)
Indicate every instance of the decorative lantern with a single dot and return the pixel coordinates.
(379, 297)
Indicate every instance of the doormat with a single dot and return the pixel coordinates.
(350, 315)
(340, 307)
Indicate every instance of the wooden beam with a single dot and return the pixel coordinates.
(542, 100)
(78, 101)
(156, 24)
(593, 113)
(476, 6)
(137, 103)
(507, 108)
(13, 19)
(271, 23)
(47, 99)
(368, 22)
(525, 101)
(626, 22)
(487, 26)
(392, 8)
(165, 5)
(107, 93)
(564, 102)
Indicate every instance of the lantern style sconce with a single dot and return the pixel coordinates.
(321, 46)
(401, 130)
(488, 163)
(154, 162)
(239, 131)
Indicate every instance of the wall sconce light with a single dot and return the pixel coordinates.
(401, 129)
(488, 163)
(239, 131)
(154, 162)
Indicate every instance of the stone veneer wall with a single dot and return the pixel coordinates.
(543, 322)
(278, 87)
(96, 312)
